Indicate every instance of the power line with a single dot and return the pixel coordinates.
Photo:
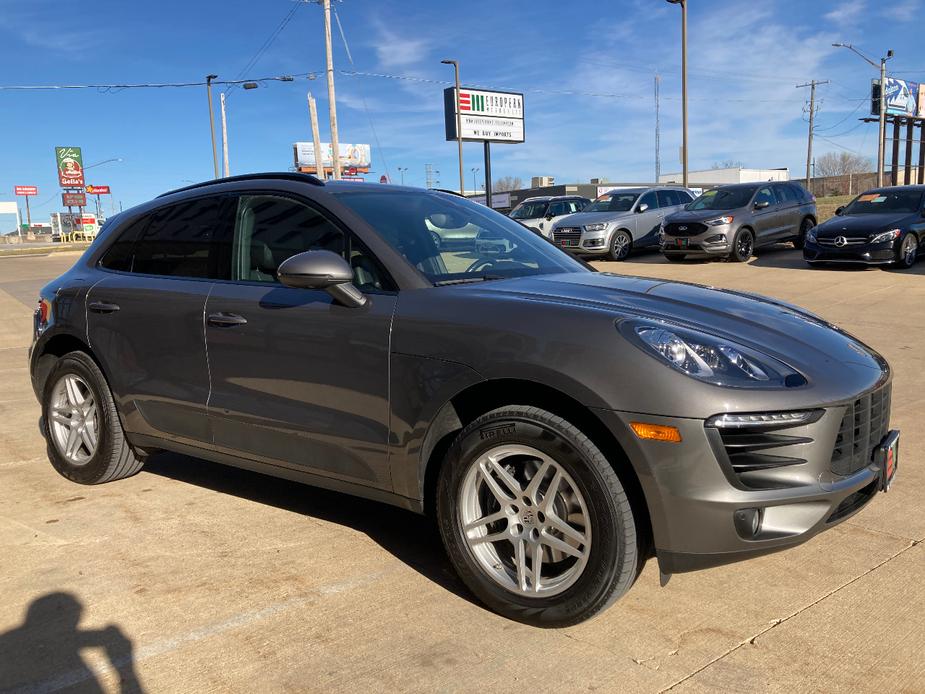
(265, 46)
(145, 85)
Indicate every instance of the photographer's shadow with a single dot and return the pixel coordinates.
(43, 653)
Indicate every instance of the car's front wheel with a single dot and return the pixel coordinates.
(908, 251)
(534, 518)
(743, 245)
(85, 440)
(620, 245)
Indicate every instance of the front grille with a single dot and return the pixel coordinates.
(685, 228)
(864, 425)
(849, 241)
(853, 502)
(566, 233)
(756, 468)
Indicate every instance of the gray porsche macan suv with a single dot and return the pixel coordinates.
(562, 425)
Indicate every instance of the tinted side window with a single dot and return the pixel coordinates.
(121, 253)
(178, 240)
(765, 195)
(558, 208)
(270, 229)
(684, 197)
(802, 195)
(670, 198)
(650, 199)
(786, 195)
(576, 205)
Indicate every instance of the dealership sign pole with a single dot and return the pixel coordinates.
(26, 192)
(484, 116)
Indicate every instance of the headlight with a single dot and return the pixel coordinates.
(595, 227)
(886, 236)
(719, 221)
(710, 358)
(811, 234)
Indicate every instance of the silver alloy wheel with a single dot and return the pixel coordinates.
(620, 246)
(74, 419)
(909, 249)
(524, 520)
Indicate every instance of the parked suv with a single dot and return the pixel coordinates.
(315, 331)
(619, 221)
(541, 213)
(732, 221)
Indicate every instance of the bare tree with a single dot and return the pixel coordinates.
(506, 183)
(841, 164)
(729, 164)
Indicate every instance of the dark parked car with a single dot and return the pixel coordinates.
(732, 221)
(885, 226)
(563, 425)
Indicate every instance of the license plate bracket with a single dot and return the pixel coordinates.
(682, 243)
(886, 455)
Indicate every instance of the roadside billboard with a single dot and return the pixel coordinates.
(499, 201)
(70, 167)
(356, 157)
(484, 115)
(74, 199)
(25, 190)
(903, 98)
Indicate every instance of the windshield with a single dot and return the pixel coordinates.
(454, 240)
(723, 199)
(530, 210)
(613, 202)
(906, 201)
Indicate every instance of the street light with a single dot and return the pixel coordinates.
(475, 170)
(209, 79)
(881, 140)
(462, 183)
(683, 4)
(401, 170)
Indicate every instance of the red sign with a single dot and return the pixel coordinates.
(98, 190)
(25, 190)
(74, 199)
(383, 179)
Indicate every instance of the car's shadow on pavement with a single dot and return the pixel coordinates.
(411, 538)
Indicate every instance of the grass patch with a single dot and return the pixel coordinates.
(825, 207)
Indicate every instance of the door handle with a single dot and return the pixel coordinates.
(103, 307)
(225, 320)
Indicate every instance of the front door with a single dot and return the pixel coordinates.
(648, 222)
(298, 380)
(145, 319)
(767, 220)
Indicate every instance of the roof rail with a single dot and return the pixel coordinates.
(446, 190)
(277, 175)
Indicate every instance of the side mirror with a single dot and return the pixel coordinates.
(761, 204)
(322, 270)
(839, 211)
(642, 208)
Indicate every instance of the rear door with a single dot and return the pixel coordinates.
(790, 217)
(145, 318)
(298, 380)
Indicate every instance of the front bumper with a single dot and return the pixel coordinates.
(701, 505)
(715, 242)
(869, 254)
(577, 241)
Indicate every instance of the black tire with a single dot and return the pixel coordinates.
(613, 554)
(621, 243)
(113, 458)
(908, 251)
(800, 240)
(673, 258)
(743, 246)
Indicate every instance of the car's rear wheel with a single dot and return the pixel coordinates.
(800, 240)
(908, 251)
(85, 440)
(620, 245)
(743, 245)
(534, 518)
(673, 258)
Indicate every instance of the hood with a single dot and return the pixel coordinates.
(700, 215)
(581, 218)
(861, 224)
(786, 332)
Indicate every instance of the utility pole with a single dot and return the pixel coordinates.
(462, 180)
(658, 163)
(221, 98)
(332, 103)
(316, 137)
(475, 185)
(209, 79)
(812, 114)
(683, 4)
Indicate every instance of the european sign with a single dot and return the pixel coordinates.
(70, 167)
(484, 115)
(25, 190)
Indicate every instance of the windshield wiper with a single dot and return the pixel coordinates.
(468, 280)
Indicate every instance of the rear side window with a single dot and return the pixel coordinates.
(801, 193)
(684, 197)
(270, 229)
(786, 195)
(121, 253)
(671, 198)
(178, 240)
(576, 205)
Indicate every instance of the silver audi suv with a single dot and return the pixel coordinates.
(619, 221)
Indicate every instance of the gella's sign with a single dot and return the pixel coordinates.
(484, 115)
(25, 190)
(70, 167)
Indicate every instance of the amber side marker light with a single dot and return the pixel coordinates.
(656, 432)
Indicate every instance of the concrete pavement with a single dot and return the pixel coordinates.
(195, 577)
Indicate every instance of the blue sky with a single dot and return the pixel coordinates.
(744, 59)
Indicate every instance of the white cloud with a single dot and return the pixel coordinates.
(903, 11)
(846, 13)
